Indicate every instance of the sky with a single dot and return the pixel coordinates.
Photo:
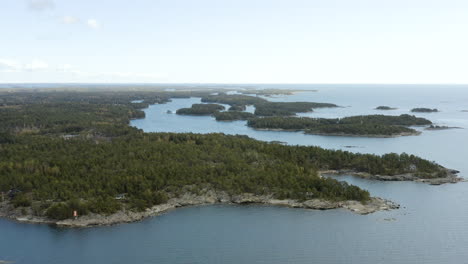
(234, 41)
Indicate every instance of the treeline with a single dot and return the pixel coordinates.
(384, 107)
(68, 118)
(233, 115)
(200, 109)
(287, 108)
(424, 110)
(233, 99)
(361, 130)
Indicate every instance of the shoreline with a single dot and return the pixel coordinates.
(451, 178)
(208, 198)
(417, 133)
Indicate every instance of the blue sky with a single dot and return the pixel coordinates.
(234, 41)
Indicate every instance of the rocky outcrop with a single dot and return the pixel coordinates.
(205, 198)
(450, 178)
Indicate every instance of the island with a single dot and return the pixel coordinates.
(200, 109)
(435, 127)
(424, 110)
(237, 108)
(271, 92)
(233, 99)
(74, 161)
(365, 126)
(233, 115)
(262, 106)
(287, 108)
(383, 107)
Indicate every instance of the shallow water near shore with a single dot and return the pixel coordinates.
(431, 226)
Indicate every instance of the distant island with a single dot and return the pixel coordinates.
(382, 107)
(271, 92)
(287, 108)
(365, 126)
(434, 127)
(200, 109)
(264, 107)
(424, 110)
(233, 115)
(70, 158)
(238, 103)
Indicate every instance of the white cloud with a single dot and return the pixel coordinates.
(64, 68)
(93, 23)
(70, 73)
(36, 65)
(70, 20)
(15, 66)
(40, 5)
(9, 65)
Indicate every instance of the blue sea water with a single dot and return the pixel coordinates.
(431, 226)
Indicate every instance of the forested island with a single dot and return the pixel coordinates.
(233, 115)
(369, 126)
(424, 110)
(61, 153)
(200, 109)
(383, 107)
(238, 103)
(287, 108)
(435, 127)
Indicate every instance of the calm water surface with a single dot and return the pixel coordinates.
(431, 227)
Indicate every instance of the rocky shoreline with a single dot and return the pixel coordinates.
(451, 176)
(416, 133)
(189, 199)
(405, 134)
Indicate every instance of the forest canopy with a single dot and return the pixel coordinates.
(377, 125)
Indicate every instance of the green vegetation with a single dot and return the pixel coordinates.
(200, 109)
(361, 130)
(382, 107)
(107, 158)
(237, 108)
(262, 106)
(287, 108)
(401, 120)
(270, 92)
(233, 99)
(371, 125)
(233, 115)
(424, 110)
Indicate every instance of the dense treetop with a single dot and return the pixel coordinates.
(233, 115)
(424, 110)
(287, 108)
(383, 107)
(355, 125)
(200, 109)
